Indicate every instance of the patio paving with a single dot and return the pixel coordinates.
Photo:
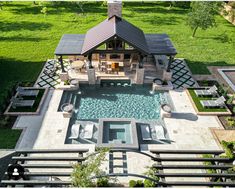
(181, 77)
(45, 80)
(186, 130)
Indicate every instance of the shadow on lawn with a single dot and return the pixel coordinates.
(58, 7)
(199, 67)
(154, 7)
(13, 70)
(24, 25)
(155, 20)
(19, 38)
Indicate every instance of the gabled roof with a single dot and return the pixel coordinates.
(111, 27)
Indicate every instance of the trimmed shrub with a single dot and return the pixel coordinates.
(139, 183)
(229, 148)
(148, 183)
(132, 183)
(103, 182)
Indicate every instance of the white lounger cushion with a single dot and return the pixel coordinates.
(213, 103)
(75, 131)
(205, 92)
(160, 134)
(88, 131)
(145, 131)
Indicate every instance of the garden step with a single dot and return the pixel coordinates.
(195, 175)
(187, 151)
(193, 166)
(47, 165)
(48, 158)
(190, 159)
(175, 183)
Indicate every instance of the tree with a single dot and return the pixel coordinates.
(83, 173)
(202, 15)
(44, 11)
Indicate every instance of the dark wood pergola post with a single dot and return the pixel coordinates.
(141, 61)
(171, 58)
(89, 59)
(61, 63)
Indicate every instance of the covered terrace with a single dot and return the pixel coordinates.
(114, 48)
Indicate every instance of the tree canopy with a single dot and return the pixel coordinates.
(202, 15)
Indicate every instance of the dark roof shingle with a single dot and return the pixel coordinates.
(111, 27)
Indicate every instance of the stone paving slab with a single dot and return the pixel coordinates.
(181, 77)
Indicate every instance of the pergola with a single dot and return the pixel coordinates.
(113, 29)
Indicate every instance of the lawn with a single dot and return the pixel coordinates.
(8, 138)
(28, 37)
(199, 106)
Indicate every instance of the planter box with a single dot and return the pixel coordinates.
(157, 87)
(224, 123)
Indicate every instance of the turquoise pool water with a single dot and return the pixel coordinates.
(116, 102)
(117, 132)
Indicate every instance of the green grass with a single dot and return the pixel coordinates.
(199, 106)
(8, 138)
(28, 37)
(35, 105)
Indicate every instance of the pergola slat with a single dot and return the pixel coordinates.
(187, 151)
(48, 158)
(61, 174)
(53, 151)
(191, 159)
(58, 166)
(193, 166)
(34, 182)
(197, 183)
(221, 175)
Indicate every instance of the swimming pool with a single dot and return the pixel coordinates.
(115, 102)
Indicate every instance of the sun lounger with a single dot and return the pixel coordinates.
(219, 102)
(207, 92)
(21, 103)
(27, 92)
(88, 131)
(145, 132)
(75, 131)
(160, 133)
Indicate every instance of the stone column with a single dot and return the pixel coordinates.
(91, 76)
(167, 75)
(139, 78)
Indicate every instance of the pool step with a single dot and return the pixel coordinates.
(117, 162)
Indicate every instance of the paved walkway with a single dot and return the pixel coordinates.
(182, 76)
(51, 81)
(186, 129)
(31, 125)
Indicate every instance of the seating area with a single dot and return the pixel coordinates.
(149, 133)
(208, 101)
(219, 102)
(82, 133)
(212, 91)
(27, 100)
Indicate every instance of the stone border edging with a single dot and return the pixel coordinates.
(207, 113)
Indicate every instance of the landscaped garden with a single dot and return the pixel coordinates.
(196, 99)
(37, 99)
(29, 37)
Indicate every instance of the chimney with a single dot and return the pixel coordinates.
(114, 8)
